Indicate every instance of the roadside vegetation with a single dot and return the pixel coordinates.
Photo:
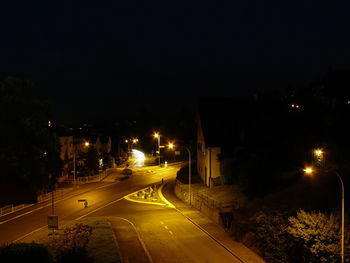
(300, 223)
(29, 151)
(87, 241)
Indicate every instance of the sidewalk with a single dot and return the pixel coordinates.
(212, 229)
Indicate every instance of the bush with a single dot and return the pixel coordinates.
(182, 175)
(74, 255)
(25, 252)
(320, 235)
(272, 232)
(71, 246)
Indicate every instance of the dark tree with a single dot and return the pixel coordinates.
(92, 160)
(29, 151)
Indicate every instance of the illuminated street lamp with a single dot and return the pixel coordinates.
(319, 156)
(309, 171)
(130, 142)
(318, 152)
(157, 136)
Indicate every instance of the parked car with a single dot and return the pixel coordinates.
(127, 171)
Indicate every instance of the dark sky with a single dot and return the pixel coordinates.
(94, 58)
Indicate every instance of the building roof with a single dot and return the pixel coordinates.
(222, 118)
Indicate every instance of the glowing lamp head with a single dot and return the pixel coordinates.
(156, 135)
(308, 170)
(318, 152)
(87, 144)
(171, 146)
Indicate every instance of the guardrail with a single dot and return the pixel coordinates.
(10, 209)
(57, 193)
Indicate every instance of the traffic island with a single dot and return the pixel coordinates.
(150, 195)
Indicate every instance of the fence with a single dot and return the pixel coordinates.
(10, 209)
(197, 197)
(56, 193)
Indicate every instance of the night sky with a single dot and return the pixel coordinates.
(96, 59)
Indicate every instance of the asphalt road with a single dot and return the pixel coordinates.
(145, 232)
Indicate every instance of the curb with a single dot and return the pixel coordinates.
(199, 227)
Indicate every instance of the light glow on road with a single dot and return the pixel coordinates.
(139, 158)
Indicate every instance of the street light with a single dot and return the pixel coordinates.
(87, 144)
(309, 171)
(130, 142)
(172, 146)
(157, 136)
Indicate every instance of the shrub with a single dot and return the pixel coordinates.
(182, 175)
(319, 234)
(25, 252)
(74, 255)
(272, 232)
(71, 244)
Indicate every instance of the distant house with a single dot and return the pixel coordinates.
(220, 129)
(66, 153)
(208, 166)
(103, 144)
(66, 143)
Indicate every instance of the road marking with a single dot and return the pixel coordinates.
(166, 227)
(163, 198)
(50, 204)
(93, 211)
(198, 226)
(28, 234)
(171, 233)
(162, 222)
(139, 238)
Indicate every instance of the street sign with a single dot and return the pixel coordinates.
(52, 222)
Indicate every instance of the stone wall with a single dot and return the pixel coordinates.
(205, 205)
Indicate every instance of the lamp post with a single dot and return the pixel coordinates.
(86, 144)
(157, 135)
(342, 216)
(189, 173)
(309, 171)
(171, 146)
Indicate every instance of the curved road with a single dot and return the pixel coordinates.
(145, 232)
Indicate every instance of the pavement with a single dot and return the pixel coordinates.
(216, 232)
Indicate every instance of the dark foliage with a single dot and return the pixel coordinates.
(29, 151)
(74, 255)
(92, 160)
(183, 175)
(25, 252)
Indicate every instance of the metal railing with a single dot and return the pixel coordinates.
(10, 209)
(57, 193)
(196, 196)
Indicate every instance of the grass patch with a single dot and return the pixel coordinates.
(101, 246)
